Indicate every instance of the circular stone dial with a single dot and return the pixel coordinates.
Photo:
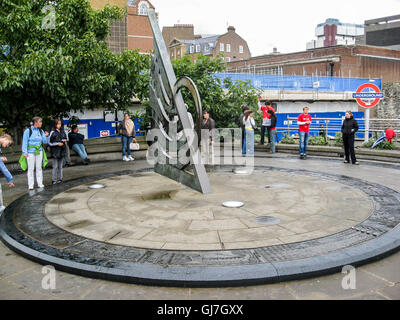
(147, 210)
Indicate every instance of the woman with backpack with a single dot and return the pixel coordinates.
(32, 148)
(57, 142)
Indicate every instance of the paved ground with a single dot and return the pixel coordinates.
(22, 279)
(147, 210)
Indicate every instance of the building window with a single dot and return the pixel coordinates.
(240, 49)
(228, 59)
(191, 49)
(143, 7)
(228, 48)
(198, 48)
(221, 47)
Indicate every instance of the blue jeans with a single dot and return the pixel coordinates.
(126, 142)
(249, 143)
(244, 142)
(272, 135)
(80, 150)
(303, 142)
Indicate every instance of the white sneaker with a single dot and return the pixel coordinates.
(131, 158)
(125, 158)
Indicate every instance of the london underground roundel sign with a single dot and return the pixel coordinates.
(373, 95)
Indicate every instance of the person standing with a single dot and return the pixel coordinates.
(266, 124)
(241, 122)
(5, 141)
(128, 134)
(32, 148)
(207, 128)
(272, 130)
(75, 141)
(349, 129)
(57, 143)
(250, 126)
(304, 121)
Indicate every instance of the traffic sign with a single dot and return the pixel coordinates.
(376, 95)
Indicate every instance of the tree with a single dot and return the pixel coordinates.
(222, 99)
(51, 70)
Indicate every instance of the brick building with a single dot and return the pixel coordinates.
(181, 40)
(133, 31)
(359, 61)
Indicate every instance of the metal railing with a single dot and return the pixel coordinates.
(331, 126)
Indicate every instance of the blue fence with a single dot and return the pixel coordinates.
(96, 126)
(287, 122)
(300, 83)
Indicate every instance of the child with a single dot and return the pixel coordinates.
(5, 141)
(57, 143)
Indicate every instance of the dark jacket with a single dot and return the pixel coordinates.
(350, 126)
(273, 122)
(124, 130)
(209, 125)
(56, 137)
(75, 138)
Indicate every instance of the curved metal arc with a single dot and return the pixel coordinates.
(186, 82)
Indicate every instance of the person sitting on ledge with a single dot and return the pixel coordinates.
(76, 143)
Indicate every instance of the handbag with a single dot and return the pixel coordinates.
(134, 146)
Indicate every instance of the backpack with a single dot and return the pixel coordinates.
(30, 132)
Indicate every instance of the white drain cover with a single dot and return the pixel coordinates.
(233, 204)
(97, 186)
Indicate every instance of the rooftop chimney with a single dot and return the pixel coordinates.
(231, 29)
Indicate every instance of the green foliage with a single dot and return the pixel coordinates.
(339, 139)
(51, 72)
(385, 145)
(223, 104)
(369, 143)
(287, 140)
(318, 141)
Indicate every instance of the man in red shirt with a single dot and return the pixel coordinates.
(266, 124)
(304, 121)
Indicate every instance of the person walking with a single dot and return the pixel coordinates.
(32, 148)
(349, 128)
(304, 121)
(266, 122)
(75, 141)
(128, 134)
(5, 142)
(241, 122)
(250, 126)
(272, 130)
(57, 143)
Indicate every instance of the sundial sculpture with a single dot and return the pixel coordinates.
(169, 111)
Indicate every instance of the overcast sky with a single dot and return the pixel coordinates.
(285, 24)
